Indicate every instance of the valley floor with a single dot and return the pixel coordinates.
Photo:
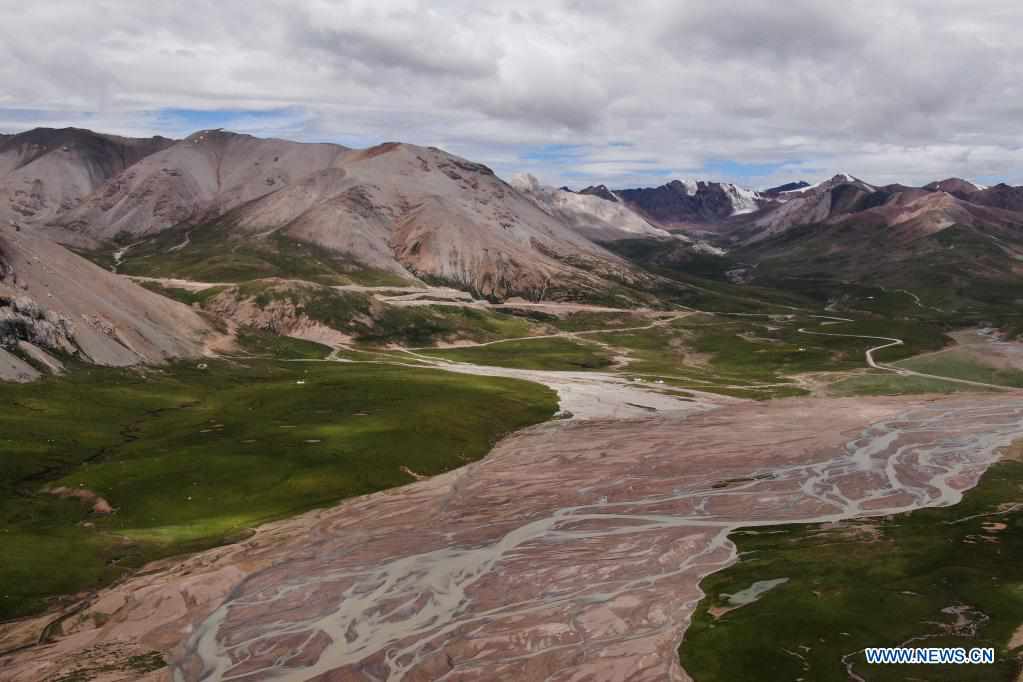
(514, 578)
(575, 547)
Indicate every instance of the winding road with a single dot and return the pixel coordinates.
(902, 370)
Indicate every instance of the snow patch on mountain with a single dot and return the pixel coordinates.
(591, 214)
(743, 200)
(837, 179)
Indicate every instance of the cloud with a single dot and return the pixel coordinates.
(750, 90)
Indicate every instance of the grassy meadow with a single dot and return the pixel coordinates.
(189, 458)
(871, 582)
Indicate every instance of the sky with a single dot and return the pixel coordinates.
(576, 92)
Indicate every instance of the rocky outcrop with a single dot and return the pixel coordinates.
(13, 368)
(598, 191)
(286, 308)
(61, 303)
(22, 319)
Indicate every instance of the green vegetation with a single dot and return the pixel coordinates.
(193, 455)
(873, 582)
(263, 343)
(955, 363)
(211, 254)
(856, 298)
(961, 275)
(698, 279)
(417, 326)
(889, 383)
(368, 321)
(541, 353)
(668, 353)
(776, 345)
(186, 296)
(742, 356)
(754, 356)
(960, 364)
(585, 321)
(138, 665)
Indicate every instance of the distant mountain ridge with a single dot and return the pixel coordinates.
(409, 211)
(787, 187)
(418, 213)
(954, 242)
(679, 204)
(45, 172)
(594, 211)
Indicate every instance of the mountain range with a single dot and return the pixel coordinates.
(226, 207)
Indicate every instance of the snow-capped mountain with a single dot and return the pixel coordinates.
(684, 203)
(596, 212)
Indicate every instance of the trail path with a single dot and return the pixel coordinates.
(662, 321)
(413, 295)
(902, 370)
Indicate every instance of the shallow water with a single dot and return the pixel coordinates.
(577, 548)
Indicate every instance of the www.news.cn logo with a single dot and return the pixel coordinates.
(930, 655)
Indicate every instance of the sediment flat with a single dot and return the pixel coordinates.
(573, 551)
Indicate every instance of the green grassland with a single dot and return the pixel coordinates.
(870, 582)
(192, 457)
(258, 344)
(888, 383)
(547, 354)
(427, 325)
(186, 296)
(697, 279)
(374, 323)
(741, 355)
(962, 274)
(961, 365)
(586, 320)
(721, 352)
(212, 254)
(737, 355)
(954, 363)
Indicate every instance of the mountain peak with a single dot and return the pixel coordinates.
(214, 134)
(685, 186)
(600, 191)
(787, 187)
(954, 186)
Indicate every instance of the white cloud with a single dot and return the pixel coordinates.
(904, 91)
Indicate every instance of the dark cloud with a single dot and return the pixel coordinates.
(765, 29)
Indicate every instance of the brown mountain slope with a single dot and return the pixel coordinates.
(419, 210)
(957, 186)
(202, 176)
(839, 195)
(46, 172)
(951, 251)
(59, 302)
(1000, 196)
(398, 209)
